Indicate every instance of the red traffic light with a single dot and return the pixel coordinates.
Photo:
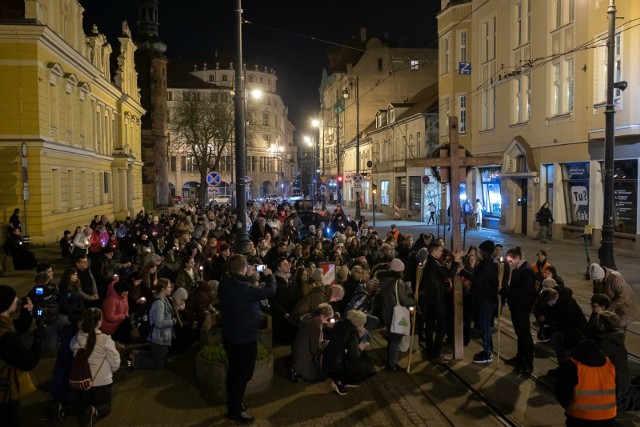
(339, 178)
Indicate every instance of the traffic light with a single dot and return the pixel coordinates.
(340, 178)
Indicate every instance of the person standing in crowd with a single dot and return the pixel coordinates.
(612, 284)
(116, 321)
(433, 289)
(14, 355)
(104, 270)
(188, 275)
(240, 305)
(285, 298)
(66, 246)
(103, 359)
(477, 211)
(14, 221)
(586, 387)
(544, 219)
(484, 288)
(432, 213)
(540, 267)
(162, 323)
(88, 287)
(394, 292)
(306, 351)
(23, 259)
(521, 296)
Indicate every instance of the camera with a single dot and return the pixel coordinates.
(260, 268)
(39, 290)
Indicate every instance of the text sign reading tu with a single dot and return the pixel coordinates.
(213, 179)
(464, 68)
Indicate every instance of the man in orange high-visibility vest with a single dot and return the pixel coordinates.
(586, 387)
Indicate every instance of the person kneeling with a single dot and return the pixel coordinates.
(306, 351)
(345, 360)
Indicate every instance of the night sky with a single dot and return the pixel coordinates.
(282, 36)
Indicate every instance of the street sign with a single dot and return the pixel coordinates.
(426, 179)
(357, 178)
(213, 179)
(323, 178)
(464, 68)
(323, 188)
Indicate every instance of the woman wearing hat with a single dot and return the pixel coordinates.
(14, 356)
(394, 291)
(344, 359)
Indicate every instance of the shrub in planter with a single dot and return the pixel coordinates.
(211, 332)
(211, 370)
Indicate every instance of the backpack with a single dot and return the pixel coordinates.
(80, 377)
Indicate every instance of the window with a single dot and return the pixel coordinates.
(401, 192)
(491, 195)
(224, 78)
(265, 118)
(83, 188)
(462, 113)
(380, 64)
(445, 59)
(384, 193)
(418, 144)
(488, 49)
(415, 190)
(487, 54)
(212, 77)
(518, 24)
(562, 86)
(521, 88)
(575, 180)
(172, 163)
(415, 64)
(56, 198)
(462, 46)
(412, 148)
(71, 189)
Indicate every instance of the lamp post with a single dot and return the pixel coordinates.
(606, 248)
(316, 123)
(242, 238)
(311, 141)
(345, 94)
(373, 204)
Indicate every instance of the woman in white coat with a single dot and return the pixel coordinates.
(103, 359)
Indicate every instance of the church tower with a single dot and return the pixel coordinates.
(151, 64)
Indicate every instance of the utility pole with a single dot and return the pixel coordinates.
(338, 182)
(358, 146)
(606, 248)
(240, 102)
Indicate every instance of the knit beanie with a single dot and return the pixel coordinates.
(596, 272)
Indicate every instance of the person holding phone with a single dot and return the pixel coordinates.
(240, 304)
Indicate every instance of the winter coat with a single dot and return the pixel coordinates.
(12, 350)
(388, 281)
(433, 280)
(308, 303)
(484, 281)
(623, 300)
(240, 305)
(612, 345)
(544, 216)
(114, 310)
(343, 345)
(521, 293)
(183, 280)
(306, 349)
(161, 318)
(566, 314)
(104, 350)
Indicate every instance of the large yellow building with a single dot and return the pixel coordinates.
(69, 131)
(528, 79)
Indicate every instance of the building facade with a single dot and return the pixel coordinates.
(69, 131)
(271, 153)
(536, 97)
(386, 76)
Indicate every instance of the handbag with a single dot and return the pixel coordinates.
(401, 320)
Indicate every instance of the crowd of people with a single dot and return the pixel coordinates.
(142, 288)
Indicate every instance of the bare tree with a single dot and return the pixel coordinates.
(203, 125)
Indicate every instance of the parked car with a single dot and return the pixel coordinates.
(220, 200)
(177, 200)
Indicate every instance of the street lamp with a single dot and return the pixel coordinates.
(311, 142)
(345, 94)
(316, 124)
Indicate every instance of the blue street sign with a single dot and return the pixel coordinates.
(213, 179)
(464, 68)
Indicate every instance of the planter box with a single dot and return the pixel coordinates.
(211, 332)
(213, 376)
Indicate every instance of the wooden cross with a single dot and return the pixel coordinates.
(455, 161)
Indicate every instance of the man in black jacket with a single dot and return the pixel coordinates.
(521, 296)
(484, 288)
(240, 305)
(433, 290)
(103, 270)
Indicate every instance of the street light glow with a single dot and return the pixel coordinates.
(307, 139)
(256, 94)
(315, 123)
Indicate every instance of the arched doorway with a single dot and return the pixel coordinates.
(518, 171)
(172, 189)
(267, 188)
